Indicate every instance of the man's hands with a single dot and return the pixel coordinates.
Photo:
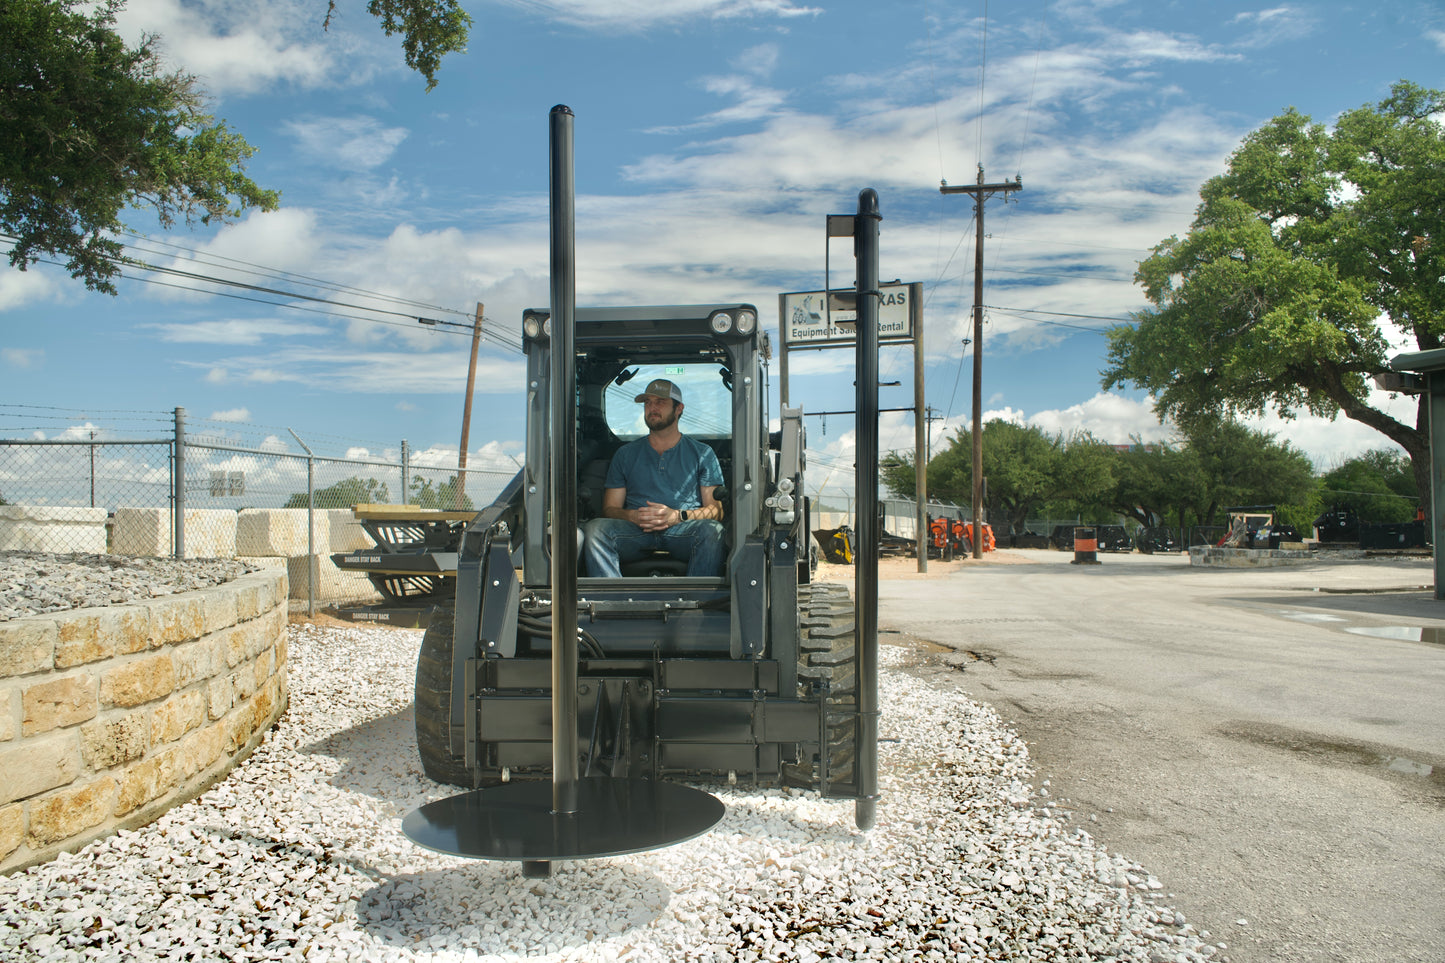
(653, 517)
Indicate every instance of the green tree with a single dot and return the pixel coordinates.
(1237, 465)
(1378, 486)
(430, 29)
(441, 497)
(345, 494)
(1273, 297)
(1024, 467)
(1216, 465)
(90, 126)
(1153, 481)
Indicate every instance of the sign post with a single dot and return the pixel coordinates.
(814, 320)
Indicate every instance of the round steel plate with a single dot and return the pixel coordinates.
(515, 821)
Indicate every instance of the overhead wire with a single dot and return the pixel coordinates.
(250, 267)
(494, 332)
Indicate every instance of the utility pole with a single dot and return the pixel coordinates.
(980, 192)
(931, 418)
(459, 491)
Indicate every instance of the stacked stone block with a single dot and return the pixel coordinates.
(110, 715)
(210, 532)
(41, 528)
(281, 531)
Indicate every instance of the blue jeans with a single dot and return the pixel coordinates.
(611, 541)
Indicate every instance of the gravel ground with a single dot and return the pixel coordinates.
(32, 583)
(299, 853)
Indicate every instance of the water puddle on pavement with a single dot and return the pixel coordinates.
(1312, 617)
(1433, 634)
(1324, 749)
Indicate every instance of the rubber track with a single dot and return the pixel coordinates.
(826, 660)
(433, 697)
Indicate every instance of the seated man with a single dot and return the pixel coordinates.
(659, 494)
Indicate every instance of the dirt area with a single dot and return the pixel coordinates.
(898, 567)
(323, 621)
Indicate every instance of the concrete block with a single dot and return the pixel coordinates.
(280, 531)
(38, 528)
(210, 532)
(346, 532)
(332, 584)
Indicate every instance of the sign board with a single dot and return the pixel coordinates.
(803, 321)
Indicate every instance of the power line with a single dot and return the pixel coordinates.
(263, 271)
(1063, 314)
(497, 333)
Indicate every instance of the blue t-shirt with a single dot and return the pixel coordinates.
(670, 478)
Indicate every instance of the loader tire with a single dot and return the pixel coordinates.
(826, 659)
(434, 702)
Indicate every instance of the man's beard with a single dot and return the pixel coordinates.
(660, 421)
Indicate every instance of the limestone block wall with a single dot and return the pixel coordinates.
(109, 716)
(41, 528)
(1210, 555)
(332, 584)
(210, 532)
(281, 531)
(344, 532)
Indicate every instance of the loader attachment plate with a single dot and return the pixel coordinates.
(516, 821)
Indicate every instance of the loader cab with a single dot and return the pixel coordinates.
(713, 352)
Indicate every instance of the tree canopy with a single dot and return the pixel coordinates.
(345, 494)
(1273, 298)
(1377, 486)
(430, 29)
(90, 126)
(1025, 468)
(440, 497)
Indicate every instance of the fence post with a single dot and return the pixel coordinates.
(311, 575)
(178, 493)
(404, 488)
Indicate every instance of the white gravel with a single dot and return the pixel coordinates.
(299, 854)
(32, 583)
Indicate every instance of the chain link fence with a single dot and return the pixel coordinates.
(196, 495)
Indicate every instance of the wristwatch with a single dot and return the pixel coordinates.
(684, 514)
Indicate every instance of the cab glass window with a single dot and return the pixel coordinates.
(707, 400)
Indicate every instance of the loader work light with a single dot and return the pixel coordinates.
(722, 322)
(537, 327)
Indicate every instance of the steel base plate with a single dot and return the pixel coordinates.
(515, 821)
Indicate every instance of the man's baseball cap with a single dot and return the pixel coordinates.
(661, 388)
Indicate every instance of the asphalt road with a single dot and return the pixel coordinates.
(1283, 775)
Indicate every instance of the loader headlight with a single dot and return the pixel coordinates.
(721, 322)
(534, 328)
(746, 322)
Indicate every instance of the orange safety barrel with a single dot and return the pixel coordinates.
(1086, 547)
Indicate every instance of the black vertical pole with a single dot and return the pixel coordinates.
(865, 248)
(178, 522)
(564, 467)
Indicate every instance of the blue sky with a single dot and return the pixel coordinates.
(712, 138)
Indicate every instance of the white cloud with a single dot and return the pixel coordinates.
(1116, 419)
(1437, 37)
(38, 283)
(235, 331)
(244, 47)
(249, 251)
(1283, 24)
(640, 14)
(233, 414)
(336, 368)
(356, 143)
(22, 357)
